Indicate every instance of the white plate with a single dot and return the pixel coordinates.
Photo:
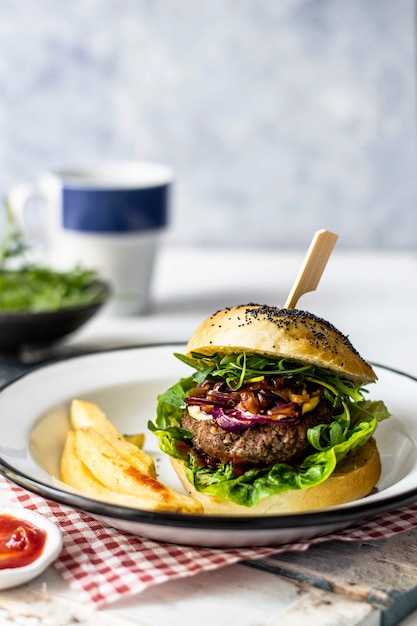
(13, 576)
(125, 383)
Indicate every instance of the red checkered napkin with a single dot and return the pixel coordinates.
(104, 564)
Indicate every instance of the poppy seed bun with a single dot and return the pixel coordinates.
(278, 332)
(353, 478)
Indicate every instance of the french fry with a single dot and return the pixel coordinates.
(118, 476)
(98, 461)
(73, 470)
(137, 439)
(87, 414)
(76, 474)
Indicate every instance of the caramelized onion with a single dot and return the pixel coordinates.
(265, 401)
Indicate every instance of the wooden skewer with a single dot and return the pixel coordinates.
(313, 266)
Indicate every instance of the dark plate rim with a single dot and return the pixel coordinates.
(256, 524)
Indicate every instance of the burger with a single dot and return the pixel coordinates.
(275, 416)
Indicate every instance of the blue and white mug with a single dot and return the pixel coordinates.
(106, 216)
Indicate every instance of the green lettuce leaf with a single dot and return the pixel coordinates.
(332, 442)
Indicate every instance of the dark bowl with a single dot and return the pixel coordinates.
(25, 329)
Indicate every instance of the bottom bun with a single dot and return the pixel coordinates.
(353, 478)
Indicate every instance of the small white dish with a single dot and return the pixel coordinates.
(14, 576)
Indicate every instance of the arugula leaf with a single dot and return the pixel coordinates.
(235, 369)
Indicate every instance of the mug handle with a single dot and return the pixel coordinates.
(19, 198)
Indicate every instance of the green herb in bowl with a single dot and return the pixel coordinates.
(26, 286)
(38, 305)
(33, 288)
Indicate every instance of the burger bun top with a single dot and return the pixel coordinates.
(282, 333)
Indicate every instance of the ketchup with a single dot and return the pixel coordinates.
(21, 542)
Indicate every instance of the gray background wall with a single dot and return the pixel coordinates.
(279, 116)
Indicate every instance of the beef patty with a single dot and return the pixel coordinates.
(262, 444)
